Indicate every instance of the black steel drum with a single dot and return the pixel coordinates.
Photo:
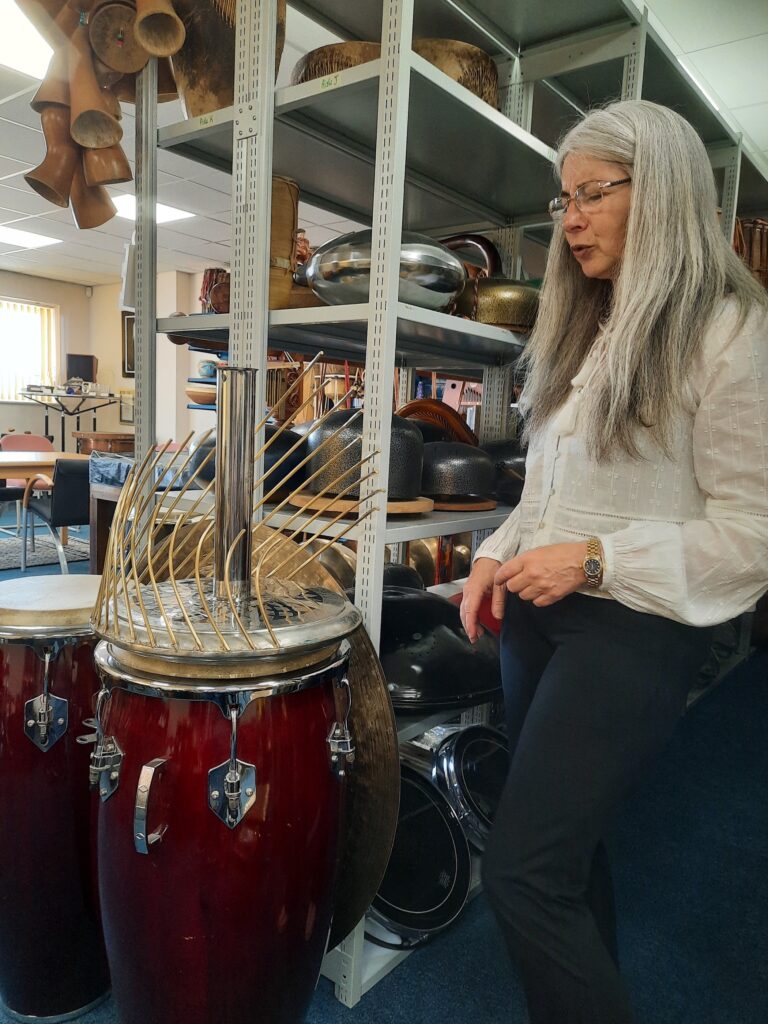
(453, 469)
(429, 875)
(470, 765)
(279, 445)
(428, 661)
(396, 574)
(405, 456)
(509, 461)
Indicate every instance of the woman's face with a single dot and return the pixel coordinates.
(597, 233)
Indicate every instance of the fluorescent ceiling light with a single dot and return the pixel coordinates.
(25, 239)
(21, 45)
(126, 207)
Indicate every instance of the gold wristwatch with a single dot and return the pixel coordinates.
(593, 563)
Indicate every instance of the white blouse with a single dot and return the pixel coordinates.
(685, 537)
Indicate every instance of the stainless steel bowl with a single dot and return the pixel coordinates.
(431, 276)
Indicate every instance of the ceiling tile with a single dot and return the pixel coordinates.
(213, 178)
(9, 167)
(17, 108)
(754, 121)
(23, 143)
(197, 227)
(696, 24)
(21, 198)
(194, 198)
(738, 72)
(12, 82)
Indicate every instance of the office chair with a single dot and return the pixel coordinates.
(67, 505)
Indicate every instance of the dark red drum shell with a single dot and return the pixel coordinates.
(52, 959)
(217, 924)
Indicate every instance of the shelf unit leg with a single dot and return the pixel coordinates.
(349, 982)
(252, 133)
(145, 338)
(389, 185)
(634, 63)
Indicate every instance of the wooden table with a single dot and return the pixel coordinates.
(104, 441)
(27, 465)
(103, 503)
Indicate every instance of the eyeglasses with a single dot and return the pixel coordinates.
(587, 197)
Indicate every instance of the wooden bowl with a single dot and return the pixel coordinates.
(201, 394)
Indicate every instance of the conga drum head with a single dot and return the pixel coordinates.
(40, 605)
(429, 874)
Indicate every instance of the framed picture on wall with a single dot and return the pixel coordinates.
(129, 359)
(126, 406)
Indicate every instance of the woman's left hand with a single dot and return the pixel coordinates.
(545, 575)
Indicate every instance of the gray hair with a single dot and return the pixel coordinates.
(676, 268)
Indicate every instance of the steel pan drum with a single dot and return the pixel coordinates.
(52, 959)
(429, 874)
(452, 469)
(427, 657)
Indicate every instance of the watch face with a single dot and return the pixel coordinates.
(592, 566)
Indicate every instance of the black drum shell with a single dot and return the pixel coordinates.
(509, 469)
(396, 574)
(405, 459)
(453, 469)
(470, 765)
(279, 444)
(414, 854)
(427, 658)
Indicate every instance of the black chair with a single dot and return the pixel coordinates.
(68, 505)
(9, 494)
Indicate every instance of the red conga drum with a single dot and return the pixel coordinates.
(52, 960)
(222, 781)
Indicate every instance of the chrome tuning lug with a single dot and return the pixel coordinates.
(107, 756)
(341, 749)
(46, 716)
(232, 784)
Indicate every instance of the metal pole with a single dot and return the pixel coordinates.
(146, 259)
(236, 412)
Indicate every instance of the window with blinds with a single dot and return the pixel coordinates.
(28, 347)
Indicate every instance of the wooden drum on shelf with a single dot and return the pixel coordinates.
(223, 820)
(52, 960)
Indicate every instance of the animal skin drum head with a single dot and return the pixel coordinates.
(42, 603)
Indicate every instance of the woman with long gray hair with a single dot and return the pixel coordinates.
(643, 523)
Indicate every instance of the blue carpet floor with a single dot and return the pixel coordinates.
(690, 856)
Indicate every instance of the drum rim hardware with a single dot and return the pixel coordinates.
(116, 676)
(46, 717)
(341, 749)
(141, 840)
(107, 757)
(232, 784)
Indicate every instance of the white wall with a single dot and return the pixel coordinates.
(74, 336)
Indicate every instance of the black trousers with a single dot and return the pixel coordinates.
(592, 692)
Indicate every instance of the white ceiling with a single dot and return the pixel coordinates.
(723, 44)
(725, 47)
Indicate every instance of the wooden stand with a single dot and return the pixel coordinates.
(464, 504)
(333, 506)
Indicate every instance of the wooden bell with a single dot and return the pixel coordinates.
(158, 27)
(106, 166)
(54, 88)
(91, 205)
(125, 89)
(112, 103)
(114, 42)
(92, 125)
(53, 178)
(105, 76)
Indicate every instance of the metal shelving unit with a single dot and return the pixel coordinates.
(423, 336)
(383, 144)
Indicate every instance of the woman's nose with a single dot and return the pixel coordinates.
(573, 218)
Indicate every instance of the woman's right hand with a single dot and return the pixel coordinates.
(479, 584)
